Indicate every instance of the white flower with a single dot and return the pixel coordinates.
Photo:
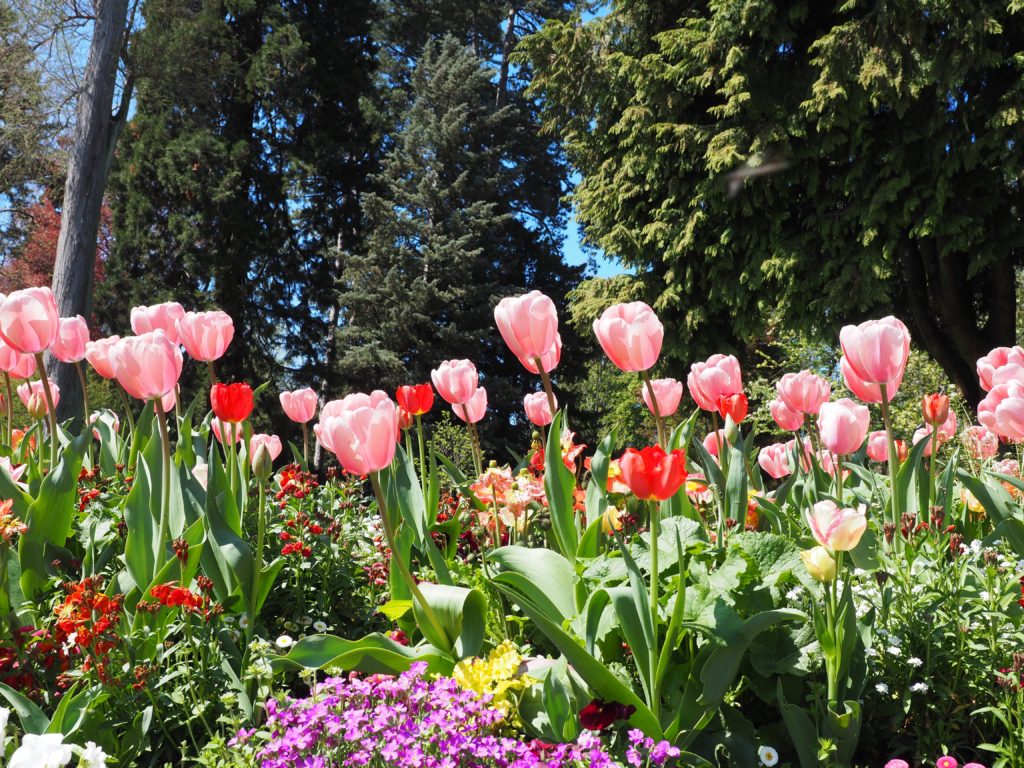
(284, 642)
(69, 644)
(768, 756)
(5, 715)
(984, 595)
(882, 688)
(794, 593)
(320, 626)
(893, 650)
(919, 688)
(45, 751)
(243, 621)
(914, 661)
(93, 756)
(305, 621)
(871, 652)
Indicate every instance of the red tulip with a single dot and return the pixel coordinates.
(735, 406)
(935, 409)
(405, 419)
(232, 403)
(417, 399)
(652, 474)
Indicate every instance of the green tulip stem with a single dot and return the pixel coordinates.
(892, 458)
(655, 617)
(50, 408)
(546, 381)
(305, 444)
(85, 403)
(10, 412)
(396, 557)
(423, 456)
(257, 566)
(932, 495)
(837, 462)
(658, 420)
(165, 477)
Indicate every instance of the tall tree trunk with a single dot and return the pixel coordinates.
(91, 154)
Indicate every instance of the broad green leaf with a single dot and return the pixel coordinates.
(32, 718)
(372, 654)
(559, 486)
(462, 614)
(543, 575)
(409, 495)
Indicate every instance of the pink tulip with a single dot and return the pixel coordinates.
(1001, 365)
(897, 763)
(787, 419)
(827, 462)
(712, 440)
(1002, 410)
(360, 430)
(774, 459)
(981, 442)
(631, 335)
(667, 393)
(474, 409)
(163, 317)
(30, 388)
(98, 354)
(718, 377)
(455, 380)
(869, 393)
(300, 405)
(28, 320)
(224, 431)
(837, 529)
(876, 350)
(878, 446)
(843, 425)
(537, 409)
(271, 442)
(205, 335)
(805, 454)
(15, 471)
(72, 336)
(548, 361)
(16, 364)
(803, 392)
(528, 324)
(147, 366)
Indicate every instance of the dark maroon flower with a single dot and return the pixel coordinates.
(598, 714)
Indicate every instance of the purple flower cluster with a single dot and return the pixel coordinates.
(412, 722)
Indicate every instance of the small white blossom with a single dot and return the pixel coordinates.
(306, 621)
(93, 756)
(871, 652)
(882, 688)
(919, 688)
(284, 642)
(893, 650)
(794, 594)
(320, 626)
(984, 595)
(768, 756)
(914, 661)
(41, 751)
(243, 622)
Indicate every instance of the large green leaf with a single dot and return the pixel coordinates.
(373, 654)
(229, 562)
(559, 486)
(49, 518)
(462, 614)
(33, 719)
(596, 675)
(142, 514)
(543, 575)
(404, 486)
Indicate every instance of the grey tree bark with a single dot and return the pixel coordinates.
(95, 134)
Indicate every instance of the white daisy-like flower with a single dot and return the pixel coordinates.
(914, 661)
(768, 756)
(320, 626)
(882, 688)
(919, 688)
(892, 650)
(284, 642)
(794, 593)
(306, 621)
(243, 621)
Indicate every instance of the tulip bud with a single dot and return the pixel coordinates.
(36, 405)
(262, 463)
(819, 564)
(935, 409)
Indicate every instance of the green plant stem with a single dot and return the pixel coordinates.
(10, 412)
(305, 444)
(257, 569)
(932, 496)
(85, 403)
(655, 409)
(165, 477)
(403, 567)
(655, 617)
(132, 445)
(837, 460)
(892, 458)
(474, 442)
(50, 408)
(423, 456)
(546, 381)
(213, 373)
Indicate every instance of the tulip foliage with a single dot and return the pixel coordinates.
(656, 582)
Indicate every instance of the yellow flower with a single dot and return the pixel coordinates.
(496, 675)
(819, 564)
(611, 520)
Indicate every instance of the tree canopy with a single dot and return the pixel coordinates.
(834, 161)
